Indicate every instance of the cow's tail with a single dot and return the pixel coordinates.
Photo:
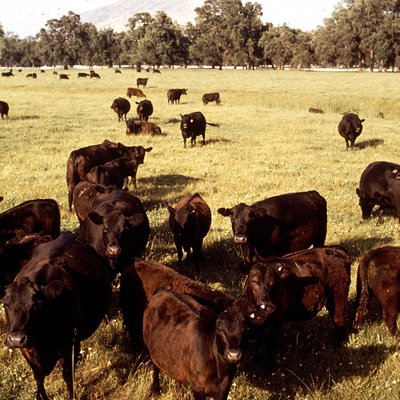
(212, 124)
(362, 296)
(72, 178)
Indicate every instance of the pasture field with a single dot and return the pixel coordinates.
(267, 143)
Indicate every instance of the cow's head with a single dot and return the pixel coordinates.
(137, 153)
(241, 217)
(117, 228)
(35, 311)
(263, 284)
(233, 326)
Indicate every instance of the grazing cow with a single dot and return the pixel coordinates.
(350, 127)
(279, 225)
(141, 81)
(82, 160)
(174, 95)
(315, 110)
(144, 109)
(32, 216)
(83, 74)
(4, 108)
(57, 300)
(193, 125)
(134, 92)
(379, 275)
(297, 286)
(32, 75)
(113, 173)
(379, 185)
(121, 106)
(140, 280)
(209, 97)
(93, 74)
(117, 227)
(194, 345)
(7, 74)
(156, 71)
(190, 221)
(137, 127)
(55, 73)
(118, 71)
(63, 76)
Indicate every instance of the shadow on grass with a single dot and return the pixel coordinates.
(24, 117)
(357, 246)
(369, 143)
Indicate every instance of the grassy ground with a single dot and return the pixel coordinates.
(267, 144)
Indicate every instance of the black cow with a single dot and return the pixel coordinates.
(82, 160)
(114, 172)
(63, 76)
(121, 106)
(93, 74)
(32, 216)
(194, 345)
(32, 75)
(379, 275)
(4, 108)
(209, 97)
(144, 109)
(297, 286)
(193, 125)
(136, 127)
(117, 227)
(7, 74)
(350, 127)
(83, 74)
(379, 185)
(57, 300)
(279, 225)
(141, 81)
(190, 221)
(141, 279)
(174, 95)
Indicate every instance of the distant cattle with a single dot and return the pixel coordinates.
(57, 300)
(174, 95)
(190, 221)
(7, 74)
(137, 127)
(117, 71)
(315, 110)
(379, 185)
(83, 74)
(121, 106)
(144, 109)
(113, 173)
(55, 73)
(117, 227)
(193, 125)
(379, 276)
(32, 75)
(32, 216)
(93, 74)
(134, 92)
(63, 76)
(80, 161)
(141, 279)
(194, 345)
(142, 81)
(350, 127)
(297, 286)
(156, 71)
(4, 108)
(209, 97)
(278, 225)
(380, 115)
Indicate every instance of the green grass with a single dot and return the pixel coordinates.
(267, 144)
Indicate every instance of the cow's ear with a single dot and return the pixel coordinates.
(95, 218)
(135, 219)
(148, 149)
(362, 120)
(171, 210)
(226, 212)
(54, 289)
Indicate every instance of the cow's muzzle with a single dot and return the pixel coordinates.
(240, 239)
(233, 356)
(16, 340)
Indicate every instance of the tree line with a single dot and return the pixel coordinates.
(359, 33)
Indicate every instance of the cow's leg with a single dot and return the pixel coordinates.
(197, 256)
(380, 216)
(204, 138)
(336, 305)
(155, 386)
(389, 307)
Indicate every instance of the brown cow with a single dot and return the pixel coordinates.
(209, 97)
(134, 92)
(190, 221)
(379, 275)
(136, 127)
(174, 95)
(194, 345)
(141, 279)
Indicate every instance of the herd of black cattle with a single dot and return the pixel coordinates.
(56, 288)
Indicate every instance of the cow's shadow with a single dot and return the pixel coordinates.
(24, 117)
(369, 143)
(173, 121)
(357, 246)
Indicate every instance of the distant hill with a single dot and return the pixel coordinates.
(116, 15)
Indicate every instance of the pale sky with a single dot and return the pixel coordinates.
(27, 17)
